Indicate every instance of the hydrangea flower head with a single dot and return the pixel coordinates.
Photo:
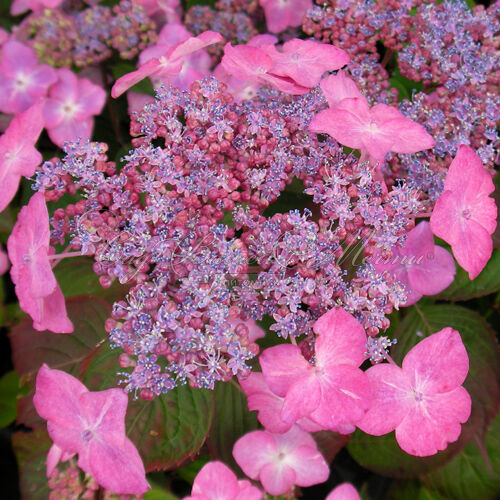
(424, 401)
(465, 215)
(92, 425)
(280, 461)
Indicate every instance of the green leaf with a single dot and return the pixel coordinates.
(402, 90)
(67, 352)
(410, 489)
(232, 419)
(31, 450)
(487, 282)
(122, 68)
(190, 471)
(76, 278)
(468, 476)
(9, 392)
(159, 494)
(382, 454)
(6, 220)
(404, 85)
(192, 3)
(170, 428)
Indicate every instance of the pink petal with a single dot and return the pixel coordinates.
(91, 99)
(277, 478)
(432, 275)
(216, 481)
(56, 397)
(261, 399)
(119, 469)
(419, 242)
(53, 458)
(301, 399)
(104, 412)
(245, 62)
(173, 33)
(260, 40)
(338, 87)
(341, 339)
(42, 78)
(472, 184)
(342, 125)
(50, 313)
(17, 57)
(444, 220)
(19, 6)
(130, 79)
(409, 137)
(284, 84)
(280, 15)
(71, 129)
(18, 155)
(293, 439)
(28, 247)
(66, 88)
(344, 491)
(438, 363)
(253, 451)
(473, 249)
(305, 61)
(309, 466)
(282, 365)
(434, 423)
(467, 175)
(68, 438)
(390, 399)
(346, 396)
(248, 491)
(195, 43)
(137, 101)
(9, 184)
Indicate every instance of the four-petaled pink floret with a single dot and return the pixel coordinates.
(423, 401)
(92, 425)
(22, 80)
(280, 461)
(465, 215)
